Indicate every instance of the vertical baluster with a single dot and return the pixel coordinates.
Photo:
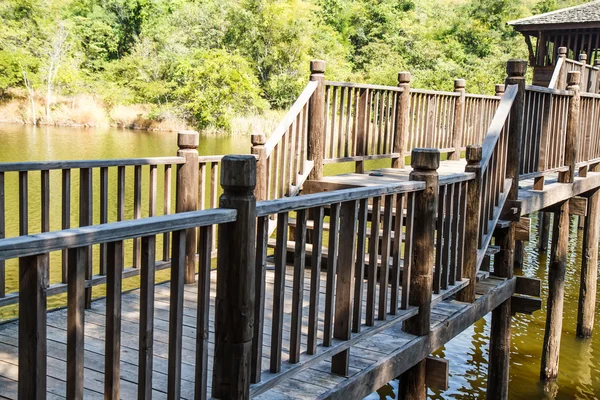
(76, 300)
(448, 219)
(176, 315)
(384, 271)
(343, 294)
(65, 218)
(103, 214)
(456, 202)
(333, 124)
(45, 214)
(341, 123)
(85, 219)
(332, 262)
(23, 204)
(397, 253)
(410, 216)
(203, 311)
(439, 240)
(146, 327)
(316, 215)
(363, 211)
(262, 238)
(461, 230)
(137, 212)
(214, 184)
(373, 256)
(120, 193)
(279, 291)
(167, 210)
(298, 286)
(112, 343)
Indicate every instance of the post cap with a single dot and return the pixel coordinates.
(582, 57)
(425, 159)
(562, 51)
(459, 84)
(474, 153)
(238, 172)
(597, 62)
(500, 88)
(258, 139)
(516, 68)
(573, 78)
(403, 77)
(188, 139)
(317, 66)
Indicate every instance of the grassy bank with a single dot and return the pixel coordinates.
(88, 111)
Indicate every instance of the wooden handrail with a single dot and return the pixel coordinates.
(74, 164)
(495, 129)
(290, 117)
(269, 207)
(23, 246)
(548, 90)
(556, 74)
(364, 86)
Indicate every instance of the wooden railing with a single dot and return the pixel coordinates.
(387, 281)
(479, 111)
(590, 74)
(589, 129)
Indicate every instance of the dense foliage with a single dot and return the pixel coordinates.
(207, 60)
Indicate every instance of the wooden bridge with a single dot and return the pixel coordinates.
(328, 286)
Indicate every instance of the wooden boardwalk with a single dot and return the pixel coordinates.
(315, 380)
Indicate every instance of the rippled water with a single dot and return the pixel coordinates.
(579, 359)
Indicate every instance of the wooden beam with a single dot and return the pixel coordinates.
(523, 229)
(511, 210)
(525, 304)
(437, 373)
(528, 286)
(578, 206)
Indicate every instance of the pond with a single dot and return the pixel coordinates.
(579, 359)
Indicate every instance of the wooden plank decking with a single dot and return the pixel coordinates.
(95, 333)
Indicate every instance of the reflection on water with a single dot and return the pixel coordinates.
(579, 376)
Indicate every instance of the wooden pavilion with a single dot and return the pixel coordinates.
(576, 28)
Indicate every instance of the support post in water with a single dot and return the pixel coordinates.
(556, 293)
(234, 305)
(186, 197)
(402, 119)
(316, 119)
(471, 241)
(589, 271)
(425, 163)
(459, 119)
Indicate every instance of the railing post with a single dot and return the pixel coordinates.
(562, 75)
(572, 135)
(262, 174)
(459, 119)
(425, 163)
(500, 88)
(516, 76)
(585, 76)
(316, 119)
(186, 197)
(234, 306)
(596, 87)
(402, 110)
(471, 244)
(32, 328)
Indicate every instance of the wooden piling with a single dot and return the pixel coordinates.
(471, 236)
(316, 119)
(402, 118)
(543, 230)
(234, 305)
(459, 119)
(556, 292)
(425, 163)
(589, 271)
(186, 198)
